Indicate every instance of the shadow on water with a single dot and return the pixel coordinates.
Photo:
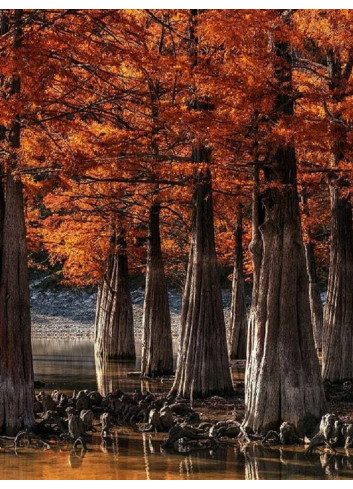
(69, 365)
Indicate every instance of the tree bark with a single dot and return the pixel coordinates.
(282, 376)
(114, 336)
(337, 345)
(203, 367)
(16, 371)
(282, 381)
(157, 347)
(316, 308)
(238, 319)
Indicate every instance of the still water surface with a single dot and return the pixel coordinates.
(70, 364)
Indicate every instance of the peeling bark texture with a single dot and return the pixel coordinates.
(238, 318)
(316, 308)
(16, 372)
(203, 366)
(282, 380)
(157, 347)
(114, 335)
(337, 353)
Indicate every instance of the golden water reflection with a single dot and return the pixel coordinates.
(69, 365)
(139, 456)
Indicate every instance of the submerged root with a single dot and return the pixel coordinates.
(29, 440)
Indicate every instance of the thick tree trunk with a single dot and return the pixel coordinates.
(203, 367)
(316, 308)
(16, 372)
(282, 376)
(282, 381)
(157, 347)
(337, 353)
(114, 336)
(238, 319)
(337, 347)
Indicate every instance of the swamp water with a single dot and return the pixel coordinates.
(70, 364)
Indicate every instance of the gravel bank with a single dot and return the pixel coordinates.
(69, 313)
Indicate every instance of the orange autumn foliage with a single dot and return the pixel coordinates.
(107, 125)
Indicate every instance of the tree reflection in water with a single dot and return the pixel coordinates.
(279, 463)
(113, 375)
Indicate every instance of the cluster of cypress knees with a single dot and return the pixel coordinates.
(75, 420)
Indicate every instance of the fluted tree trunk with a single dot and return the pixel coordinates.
(16, 371)
(282, 381)
(337, 345)
(157, 347)
(203, 367)
(114, 326)
(238, 318)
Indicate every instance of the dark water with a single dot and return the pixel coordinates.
(68, 365)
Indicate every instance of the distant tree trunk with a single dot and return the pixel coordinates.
(316, 308)
(114, 336)
(157, 347)
(238, 318)
(337, 353)
(282, 381)
(16, 371)
(203, 367)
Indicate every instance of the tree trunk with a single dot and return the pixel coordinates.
(337, 345)
(316, 308)
(203, 367)
(16, 371)
(337, 348)
(114, 336)
(282, 381)
(238, 319)
(282, 376)
(157, 347)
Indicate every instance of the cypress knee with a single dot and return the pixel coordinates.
(157, 348)
(203, 366)
(114, 327)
